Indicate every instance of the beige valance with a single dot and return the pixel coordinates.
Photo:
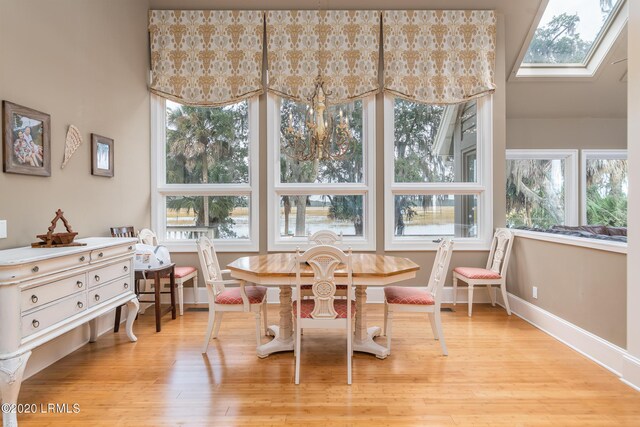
(340, 45)
(439, 56)
(206, 57)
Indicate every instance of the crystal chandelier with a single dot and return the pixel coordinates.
(320, 138)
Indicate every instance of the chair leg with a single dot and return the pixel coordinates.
(216, 329)
(455, 288)
(349, 351)
(297, 351)
(470, 299)
(207, 338)
(264, 316)
(258, 328)
(181, 298)
(386, 315)
(195, 289)
(436, 316)
(432, 322)
(492, 297)
(389, 328)
(503, 288)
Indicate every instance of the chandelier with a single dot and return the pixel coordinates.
(319, 138)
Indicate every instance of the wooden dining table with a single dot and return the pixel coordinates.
(278, 269)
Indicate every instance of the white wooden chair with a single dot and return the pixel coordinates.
(325, 237)
(323, 310)
(403, 299)
(182, 274)
(494, 275)
(242, 298)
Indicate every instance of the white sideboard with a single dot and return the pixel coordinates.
(45, 292)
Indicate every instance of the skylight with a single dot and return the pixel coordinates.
(569, 31)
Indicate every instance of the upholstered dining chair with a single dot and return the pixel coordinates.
(403, 299)
(182, 274)
(242, 298)
(494, 275)
(323, 310)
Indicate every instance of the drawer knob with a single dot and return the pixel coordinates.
(97, 278)
(130, 248)
(35, 323)
(79, 283)
(34, 299)
(126, 286)
(80, 304)
(35, 269)
(100, 255)
(82, 258)
(126, 268)
(97, 297)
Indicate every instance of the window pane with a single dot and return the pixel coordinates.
(436, 215)
(535, 193)
(217, 217)
(432, 140)
(350, 169)
(607, 190)
(304, 215)
(207, 145)
(568, 30)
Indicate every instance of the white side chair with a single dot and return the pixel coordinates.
(494, 275)
(403, 298)
(325, 237)
(182, 274)
(323, 310)
(248, 299)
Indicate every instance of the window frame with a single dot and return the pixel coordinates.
(483, 188)
(570, 175)
(275, 188)
(585, 155)
(602, 45)
(160, 189)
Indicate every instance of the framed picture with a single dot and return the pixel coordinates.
(101, 155)
(27, 140)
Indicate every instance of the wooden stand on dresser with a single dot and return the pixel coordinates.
(45, 293)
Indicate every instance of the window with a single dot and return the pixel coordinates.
(541, 188)
(437, 174)
(573, 37)
(307, 196)
(205, 174)
(604, 185)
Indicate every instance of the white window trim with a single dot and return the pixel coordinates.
(570, 175)
(275, 188)
(483, 188)
(585, 242)
(593, 154)
(596, 56)
(160, 189)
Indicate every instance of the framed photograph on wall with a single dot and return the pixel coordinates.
(27, 140)
(101, 155)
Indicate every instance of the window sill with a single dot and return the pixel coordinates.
(190, 246)
(422, 245)
(584, 242)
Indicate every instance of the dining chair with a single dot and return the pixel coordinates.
(494, 275)
(323, 310)
(125, 231)
(325, 237)
(242, 298)
(412, 299)
(182, 274)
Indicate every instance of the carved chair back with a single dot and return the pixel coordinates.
(500, 251)
(440, 269)
(126, 231)
(325, 237)
(147, 237)
(209, 263)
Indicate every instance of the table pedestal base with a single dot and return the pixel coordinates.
(275, 345)
(368, 345)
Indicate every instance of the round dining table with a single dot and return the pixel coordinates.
(278, 269)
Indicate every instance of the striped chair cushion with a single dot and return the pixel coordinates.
(340, 306)
(232, 295)
(407, 295)
(476, 273)
(181, 272)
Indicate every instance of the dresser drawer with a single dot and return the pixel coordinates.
(112, 252)
(44, 294)
(40, 320)
(103, 275)
(112, 290)
(35, 269)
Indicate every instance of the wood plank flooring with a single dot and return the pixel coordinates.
(500, 371)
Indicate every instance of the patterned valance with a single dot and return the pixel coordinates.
(439, 56)
(342, 46)
(206, 57)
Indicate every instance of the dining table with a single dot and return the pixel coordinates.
(278, 269)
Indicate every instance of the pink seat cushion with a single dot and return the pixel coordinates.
(340, 305)
(184, 271)
(476, 273)
(308, 287)
(407, 295)
(232, 295)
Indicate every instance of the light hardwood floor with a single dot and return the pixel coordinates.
(500, 371)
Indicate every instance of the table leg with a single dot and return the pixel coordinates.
(363, 340)
(283, 333)
(172, 284)
(11, 371)
(156, 288)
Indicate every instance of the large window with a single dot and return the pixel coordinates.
(605, 184)
(206, 174)
(307, 196)
(541, 188)
(437, 174)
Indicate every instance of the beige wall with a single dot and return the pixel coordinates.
(84, 63)
(584, 286)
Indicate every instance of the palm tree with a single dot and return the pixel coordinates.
(606, 192)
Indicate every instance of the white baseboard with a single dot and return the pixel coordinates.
(631, 371)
